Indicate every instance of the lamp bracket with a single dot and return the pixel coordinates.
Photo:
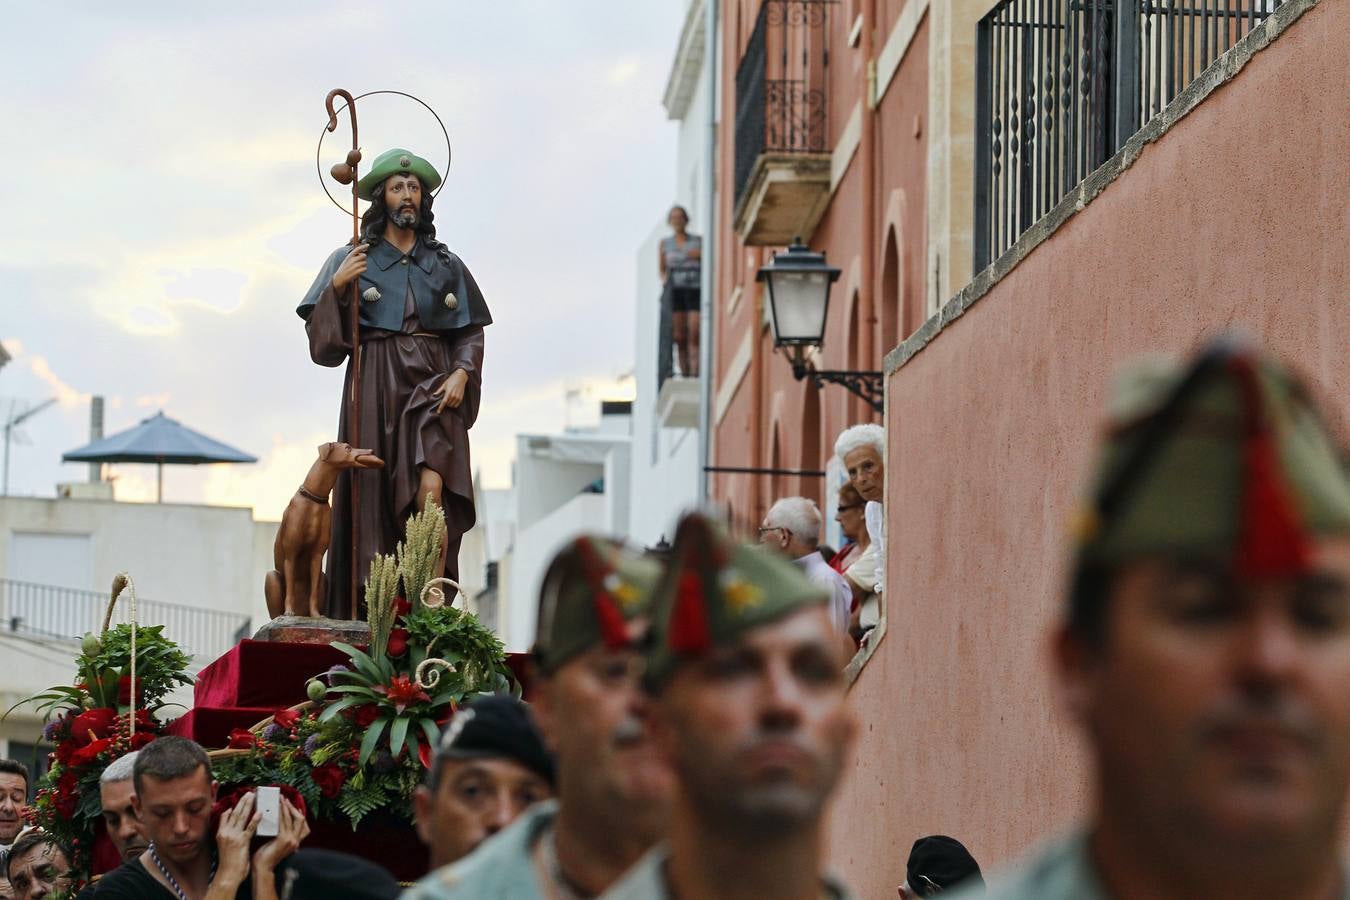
(868, 385)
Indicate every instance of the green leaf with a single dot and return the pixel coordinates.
(362, 660)
(331, 712)
(357, 803)
(430, 730)
(354, 689)
(371, 739)
(444, 697)
(398, 734)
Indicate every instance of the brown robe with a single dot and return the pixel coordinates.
(400, 372)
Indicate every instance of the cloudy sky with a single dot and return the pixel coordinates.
(163, 215)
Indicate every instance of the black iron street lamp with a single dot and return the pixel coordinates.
(799, 297)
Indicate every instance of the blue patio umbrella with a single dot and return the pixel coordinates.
(162, 441)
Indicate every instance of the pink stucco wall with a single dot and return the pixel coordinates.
(1237, 216)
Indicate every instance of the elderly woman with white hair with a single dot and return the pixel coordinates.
(862, 451)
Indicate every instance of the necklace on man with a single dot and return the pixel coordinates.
(173, 882)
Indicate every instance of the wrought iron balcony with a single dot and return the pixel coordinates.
(1062, 84)
(781, 174)
(47, 611)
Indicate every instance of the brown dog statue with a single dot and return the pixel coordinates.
(297, 586)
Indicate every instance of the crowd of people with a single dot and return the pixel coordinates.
(688, 726)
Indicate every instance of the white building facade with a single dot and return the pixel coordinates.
(198, 571)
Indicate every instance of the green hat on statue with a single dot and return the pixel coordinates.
(1226, 457)
(395, 162)
(714, 591)
(592, 592)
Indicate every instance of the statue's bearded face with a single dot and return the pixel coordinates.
(403, 200)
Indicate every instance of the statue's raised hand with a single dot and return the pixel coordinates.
(351, 267)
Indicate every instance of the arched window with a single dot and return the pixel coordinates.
(890, 294)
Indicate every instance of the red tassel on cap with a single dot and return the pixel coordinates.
(613, 628)
(1272, 542)
(689, 633)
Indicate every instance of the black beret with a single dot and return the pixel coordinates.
(329, 875)
(942, 861)
(498, 726)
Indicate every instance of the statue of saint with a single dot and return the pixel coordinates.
(421, 345)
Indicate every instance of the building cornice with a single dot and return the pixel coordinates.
(688, 62)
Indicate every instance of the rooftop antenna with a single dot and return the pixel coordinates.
(13, 421)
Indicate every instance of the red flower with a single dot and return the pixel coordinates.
(124, 690)
(242, 739)
(424, 755)
(90, 752)
(401, 607)
(65, 804)
(329, 778)
(92, 725)
(364, 714)
(403, 691)
(64, 751)
(141, 738)
(398, 642)
(286, 718)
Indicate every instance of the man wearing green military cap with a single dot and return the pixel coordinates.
(613, 790)
(746, 670)
(1205, 647)
(421, 337)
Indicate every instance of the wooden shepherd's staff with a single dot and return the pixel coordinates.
(346, 174)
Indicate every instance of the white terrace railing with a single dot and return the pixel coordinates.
(48, 611)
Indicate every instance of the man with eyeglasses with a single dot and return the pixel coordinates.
(792, 528)
(1205, 645)
(613, 790)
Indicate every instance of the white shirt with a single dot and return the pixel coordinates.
(820, 573)
(875, 516)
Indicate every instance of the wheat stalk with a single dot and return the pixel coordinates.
(381, 588)
(419, 554)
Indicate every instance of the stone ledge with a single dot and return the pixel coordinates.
(307, 630)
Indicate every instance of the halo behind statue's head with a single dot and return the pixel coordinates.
(364, 194)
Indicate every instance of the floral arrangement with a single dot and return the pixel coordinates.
(368, 733)
(91, 723)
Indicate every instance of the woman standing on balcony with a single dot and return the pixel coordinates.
(681, 275)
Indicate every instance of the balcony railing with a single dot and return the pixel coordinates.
(781, 85)
(43, 610)
(1062, 84)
